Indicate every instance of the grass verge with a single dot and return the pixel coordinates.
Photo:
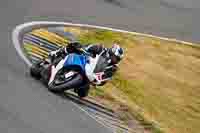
(158, 81)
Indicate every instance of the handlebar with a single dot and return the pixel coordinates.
(85, 52)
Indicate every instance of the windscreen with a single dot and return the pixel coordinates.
(101, 65)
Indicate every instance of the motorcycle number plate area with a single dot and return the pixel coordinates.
(69, 74)
(99, 76)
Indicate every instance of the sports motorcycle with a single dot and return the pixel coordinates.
(72, 71)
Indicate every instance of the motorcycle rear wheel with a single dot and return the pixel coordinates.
(35, 72)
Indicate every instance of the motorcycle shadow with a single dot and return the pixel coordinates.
(87, 104)
(98, 111)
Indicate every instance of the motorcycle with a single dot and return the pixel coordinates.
(72, 71)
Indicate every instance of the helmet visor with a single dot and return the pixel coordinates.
(114, 59)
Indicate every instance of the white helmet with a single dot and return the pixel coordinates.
(117, 51)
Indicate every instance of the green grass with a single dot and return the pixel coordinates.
(158, 81)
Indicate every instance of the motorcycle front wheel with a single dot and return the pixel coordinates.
(73, 82)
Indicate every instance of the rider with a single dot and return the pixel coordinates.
(112, 55)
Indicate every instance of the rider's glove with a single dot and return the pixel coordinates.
(58, 52)
(53, 53)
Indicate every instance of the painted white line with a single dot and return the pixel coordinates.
(19, 28)
(29, 25)
(23, 28)
(17, 31)
(17, 44)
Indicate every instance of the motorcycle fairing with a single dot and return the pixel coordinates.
(90, 68)
(69, 60)
(76, 60)
(54, 69)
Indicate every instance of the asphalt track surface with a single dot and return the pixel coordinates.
(25, 105)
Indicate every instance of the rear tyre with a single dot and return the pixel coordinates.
(45, 75)
(83, 91)
(35, 72)
(75, 82)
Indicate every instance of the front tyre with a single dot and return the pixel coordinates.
(75, 82)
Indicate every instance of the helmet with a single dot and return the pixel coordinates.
(74, 44)
(116, 52)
